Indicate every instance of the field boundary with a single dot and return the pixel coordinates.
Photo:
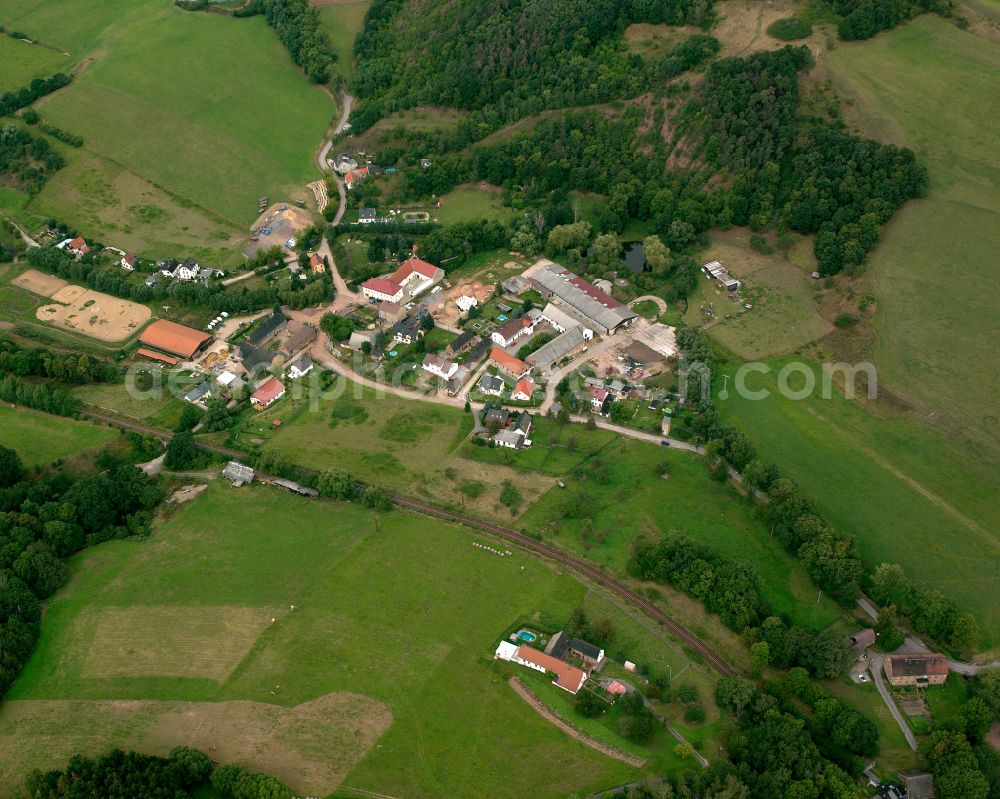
(553, 718)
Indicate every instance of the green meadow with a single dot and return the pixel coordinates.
(398, 612)
(466, 203)
(343, 21)
(40, 438)
(909, 495)
(22, 62)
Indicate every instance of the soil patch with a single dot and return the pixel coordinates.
(311, 747)
(38, 282)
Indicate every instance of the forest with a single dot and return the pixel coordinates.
(27, 161)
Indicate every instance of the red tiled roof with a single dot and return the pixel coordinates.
(524, 386)
(156, 356)
(594, 292)
(272, 389)
(77, 243)
(508, 362)
(412, 265)
(314, 259)
(599, 394)
(173, 338)
(514, 327)
(383, 286)
(129, 259)
(568, 677)
(915, 665)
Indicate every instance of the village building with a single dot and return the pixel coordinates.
(268, 394)
(229, 381)
(564, 646)
(300, 368)
(343, 163)
(361, 337)
(353, 177)
(238, 474)
(129, 262)
(199, 394)
(466, 303)
(497, 418)
(506, 362)
(558, 318)
(164, 336)
(407, 331)
(916, 669)
(718, 272)
(560, 347)
(78, 246)
(478, 352)
(600, 400)
(391, 312)
(316, 263)
(381, 289)
(439, 366)
(416, 276)
(568, 677)
(516, 285)
(492, 385)
(523, 390)
(515, 436)
(512, 330)
(466, 341)
(366, 216)
(597, 309)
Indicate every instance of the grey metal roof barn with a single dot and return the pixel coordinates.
(238, 474)
(595, 306)
(559, 347)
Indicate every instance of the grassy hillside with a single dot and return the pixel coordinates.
(910, 496)
(40, 438)
(343, 21)
(22, 62)
(180, 137)
(926, 85)
(398, 616)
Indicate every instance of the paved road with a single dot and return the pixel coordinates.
(877, 661)
(592, 350)
(346, 101)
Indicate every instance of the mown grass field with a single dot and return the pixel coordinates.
(467, 203)
(402, 614)
(909, 495)
(180, 138)
(41, 438)
(22, 62)
(602, 518)
(162, 411)
(343, 21)
(925, 85)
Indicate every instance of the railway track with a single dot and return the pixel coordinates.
(571, 562)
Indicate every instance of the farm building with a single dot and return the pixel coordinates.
(378, 288)
(512, 330)
(516, 285)
(361, 337)
(919, 670)
(718, 272)
(464, 342)
(558, 318)
(267, 329)
(562, 646)
(597, 309)
(561, 346)
(156, 356)
(478, 352)
(230, 381)
(515, 367)
(568, 677)
(267, 394)
(174, 339)
(291, 485)
(417, 276)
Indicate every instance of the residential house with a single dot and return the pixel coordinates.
(189, 270)
(355, 176)
(268, 394)
(568, 677)
(439, 366)
(381, 289)
(516, 435)
(366, 216)
(515, 367)
(343, 163)
(916, 669)
(492, 385)
(459, 345)
(300, 368)
(416, 276)
(891, 790)
(512, 330)
(199, 394)
(918, 784)
(238, 474)
(466, 303)
(129, 262)
(496, 418)
(78, 246)
(316, 263)
(391, 312)
(230, 382)
(523, 390)
(407, 331)
(600, 400)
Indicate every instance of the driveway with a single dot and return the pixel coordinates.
(878, 660)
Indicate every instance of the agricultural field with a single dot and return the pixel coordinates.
(395, 442)
(863, 465)
(343, 21)
(602, 511)
(164, 412)
(925, 85)
(159, 149)
(40, 438)
(296, 663)
(23, 62)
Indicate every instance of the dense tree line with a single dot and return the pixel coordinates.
(39, 396)
(449, 246)
(65, 368)
(296, 294)
(772, 750)
(862, 19)
(26, 95)
(46, 520)
(299, 28)
(27, 160)
(964, 765)
(535, 55)
(126, 775)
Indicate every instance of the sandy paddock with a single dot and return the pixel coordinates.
(38, 282)
(94, 314)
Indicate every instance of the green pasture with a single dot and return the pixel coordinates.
(40, 438)
(602, 515)
(403, 610)
(343, 21)
(22, 62)
(925, 85)
(159, 411)
(468, 203)
(909, 495)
